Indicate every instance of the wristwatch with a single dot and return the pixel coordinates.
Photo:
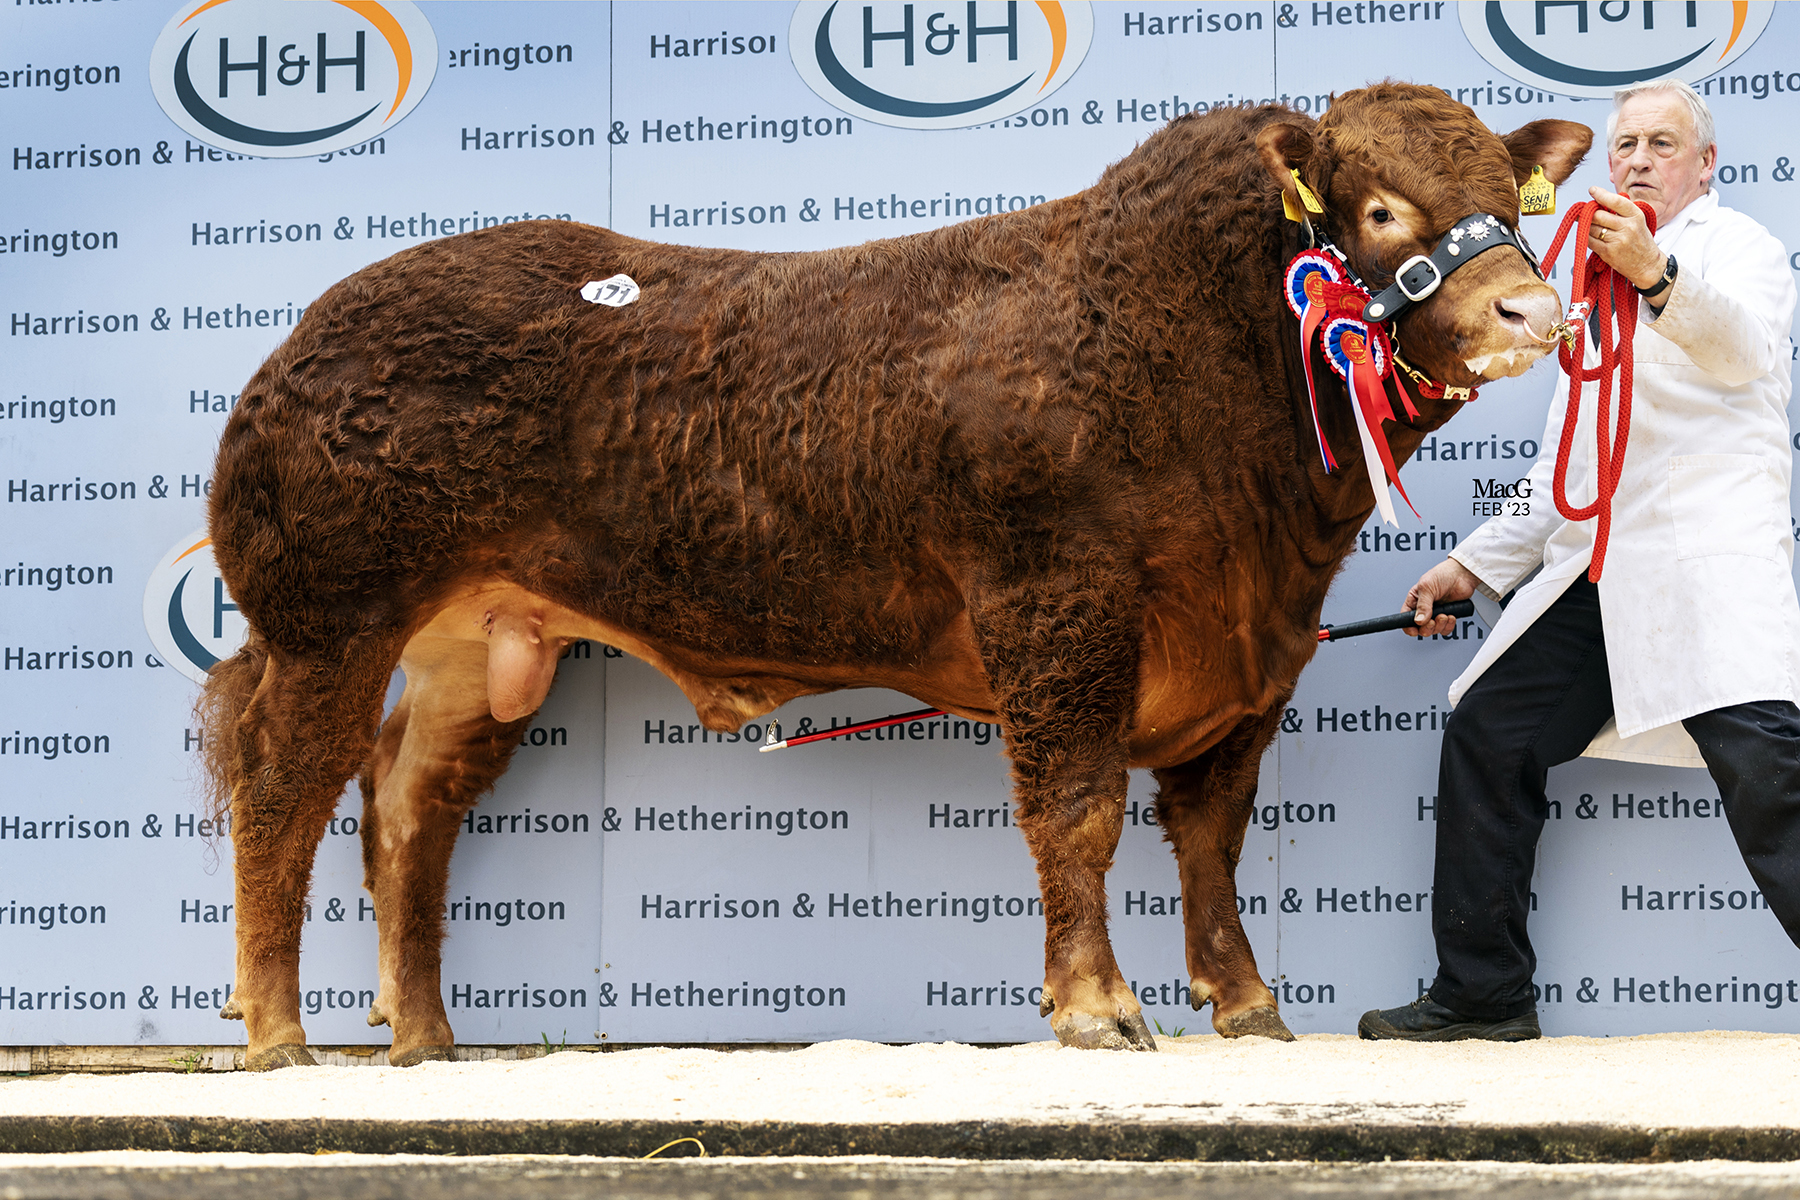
(1668, 277)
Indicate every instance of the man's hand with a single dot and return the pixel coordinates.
(1622, 239)
(1449, 580)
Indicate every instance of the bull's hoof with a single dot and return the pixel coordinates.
(423, 1054)
(231, 1011)
(1085, 1031)
(376, 1016)
(288, 1054)
(1255, 1022)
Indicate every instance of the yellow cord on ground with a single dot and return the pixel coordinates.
(677, 1142)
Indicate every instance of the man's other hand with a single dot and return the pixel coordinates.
(1449, 580)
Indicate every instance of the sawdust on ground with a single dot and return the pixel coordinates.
(1660, 1080)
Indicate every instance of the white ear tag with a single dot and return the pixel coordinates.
(616, 292)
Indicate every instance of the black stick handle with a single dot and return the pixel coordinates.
(1399, 620)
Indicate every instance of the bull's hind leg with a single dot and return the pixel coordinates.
(304, 733)
(1204, 809)
(1063, 668)
(439, 751)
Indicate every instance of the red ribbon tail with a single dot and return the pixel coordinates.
(1412, 413)
(1309, 325)
(1399, 487)
(1368, 387)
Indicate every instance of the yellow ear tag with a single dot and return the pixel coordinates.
(1306, 194)
(1289, 209)
(1537, 196)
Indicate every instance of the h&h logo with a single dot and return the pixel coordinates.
(1582, 49)
(191, 618)
(277, 79)
(937, 65)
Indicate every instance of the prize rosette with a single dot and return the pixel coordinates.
(1350, 344)
(1306, 275)
(1304, 286)
(1359, 353)
(1321, 296)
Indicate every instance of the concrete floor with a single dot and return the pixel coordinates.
(147, 1176)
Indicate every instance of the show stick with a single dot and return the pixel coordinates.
(1328, 633)
(1399, 620)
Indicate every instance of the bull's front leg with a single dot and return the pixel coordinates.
(1204, 807)
(1063, 667)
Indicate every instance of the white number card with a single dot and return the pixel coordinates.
(616, 292)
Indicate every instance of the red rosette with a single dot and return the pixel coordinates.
(1344, 299)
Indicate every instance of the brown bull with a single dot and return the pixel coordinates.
(1053, 469)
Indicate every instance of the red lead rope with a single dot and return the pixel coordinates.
(1595, 283)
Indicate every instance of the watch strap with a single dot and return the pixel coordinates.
(1668, 277)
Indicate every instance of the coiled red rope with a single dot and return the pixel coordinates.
(1596, 285)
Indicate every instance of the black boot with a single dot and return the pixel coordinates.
(1425, 1020)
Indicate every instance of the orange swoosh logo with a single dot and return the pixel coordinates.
(1059, 36)
(1740, 12)
(390, 29)
(383, 20)
(201, 9)
(205, 541)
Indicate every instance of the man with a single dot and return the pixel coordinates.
(1694, 623)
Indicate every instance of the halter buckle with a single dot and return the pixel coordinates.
(1404, 278)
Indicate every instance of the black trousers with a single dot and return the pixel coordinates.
(1537, 706)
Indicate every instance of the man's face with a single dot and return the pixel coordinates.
(1654, 158)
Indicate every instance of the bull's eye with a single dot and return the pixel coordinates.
(1381, 216)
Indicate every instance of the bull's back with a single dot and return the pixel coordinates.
(752, 425)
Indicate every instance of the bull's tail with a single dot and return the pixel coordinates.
(230, 685)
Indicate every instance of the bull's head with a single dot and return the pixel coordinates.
(1397, 166)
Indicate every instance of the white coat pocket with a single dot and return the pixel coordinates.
(1725, 504)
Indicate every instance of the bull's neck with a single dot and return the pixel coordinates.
(1343, 499)
(1240, 296)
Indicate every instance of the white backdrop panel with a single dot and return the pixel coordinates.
(887, 922)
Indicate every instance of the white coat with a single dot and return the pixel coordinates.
(1696, 593)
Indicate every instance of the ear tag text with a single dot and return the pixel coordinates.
(1537, 195)
(1306, 194)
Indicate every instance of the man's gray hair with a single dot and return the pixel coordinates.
(1703, 121)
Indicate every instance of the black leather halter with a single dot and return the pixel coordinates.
(1421, 275)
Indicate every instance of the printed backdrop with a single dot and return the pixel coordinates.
(634, 878)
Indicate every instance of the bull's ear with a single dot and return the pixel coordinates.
(1556, 146)
(1285, 148)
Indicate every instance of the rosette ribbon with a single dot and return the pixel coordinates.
(1330, 308)
(1304, 287)
(1359, 353)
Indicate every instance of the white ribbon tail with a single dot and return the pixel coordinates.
(1372, 458)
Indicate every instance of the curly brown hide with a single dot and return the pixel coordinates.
(1053, 468)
